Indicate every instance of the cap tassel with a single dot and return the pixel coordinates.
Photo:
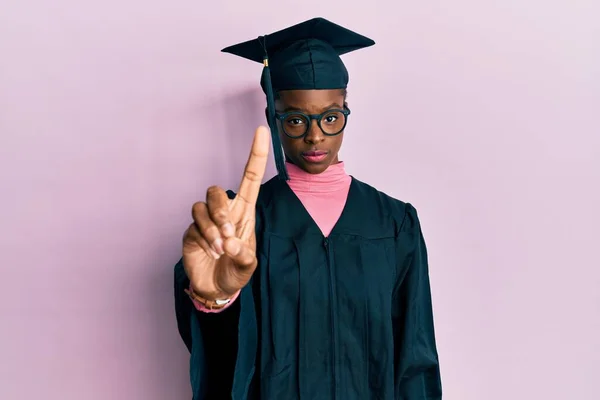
(277, 149)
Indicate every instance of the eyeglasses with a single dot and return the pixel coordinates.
(296, 124)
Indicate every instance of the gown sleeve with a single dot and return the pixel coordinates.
(211, 338)
(213, 346)
(183, 305)
(417, 373)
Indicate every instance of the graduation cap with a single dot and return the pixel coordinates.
(303, 56)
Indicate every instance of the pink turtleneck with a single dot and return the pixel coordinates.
(323, 195)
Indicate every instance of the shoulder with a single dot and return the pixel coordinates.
(403, 214)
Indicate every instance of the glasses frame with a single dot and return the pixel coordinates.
(310, 117)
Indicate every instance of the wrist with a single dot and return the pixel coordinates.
(214, 301)
(211, 296)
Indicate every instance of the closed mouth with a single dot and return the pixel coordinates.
(314, 153)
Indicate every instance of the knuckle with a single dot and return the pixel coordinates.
(208, 232)
(219, 214)
(252, 175)
(191, 234)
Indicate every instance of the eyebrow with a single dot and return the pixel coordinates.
(291, 108)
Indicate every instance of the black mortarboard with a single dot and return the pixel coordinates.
(303, 56)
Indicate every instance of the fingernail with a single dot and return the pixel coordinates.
(218, 246)
(215, 255)
(228, 230)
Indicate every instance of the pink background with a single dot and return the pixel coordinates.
(116, 115)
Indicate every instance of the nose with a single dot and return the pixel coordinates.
(314, 134)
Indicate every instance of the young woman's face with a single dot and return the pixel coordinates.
(315, 151)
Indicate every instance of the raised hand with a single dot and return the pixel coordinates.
(219, 247)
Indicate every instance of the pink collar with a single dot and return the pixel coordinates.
(332, 179)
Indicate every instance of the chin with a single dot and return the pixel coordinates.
(315, 168)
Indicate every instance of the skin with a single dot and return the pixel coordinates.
(219, 247)
(311, 102)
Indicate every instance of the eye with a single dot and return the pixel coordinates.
(331, 118)
(295, 120)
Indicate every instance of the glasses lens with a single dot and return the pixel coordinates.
(333, 122)
(295, 125)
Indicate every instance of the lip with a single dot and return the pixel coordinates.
(314, 156)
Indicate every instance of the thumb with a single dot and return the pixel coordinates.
(242, 255)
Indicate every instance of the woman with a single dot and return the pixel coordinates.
(313, 285)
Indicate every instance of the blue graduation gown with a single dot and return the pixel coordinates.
(343, 317)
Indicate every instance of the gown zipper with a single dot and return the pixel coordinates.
(326, 244)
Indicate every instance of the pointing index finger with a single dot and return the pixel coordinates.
(256, 166)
